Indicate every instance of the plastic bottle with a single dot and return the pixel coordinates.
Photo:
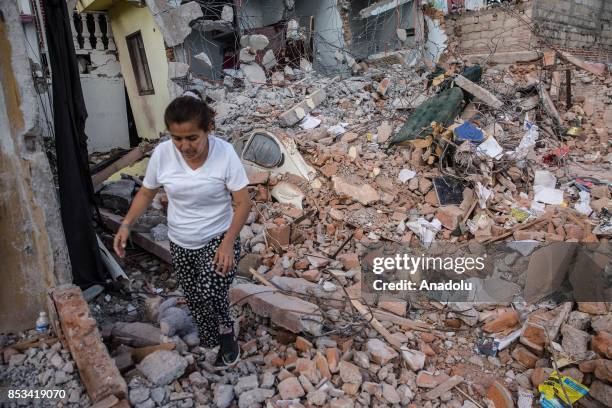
(42, 323)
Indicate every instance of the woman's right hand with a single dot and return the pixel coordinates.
(121, 240)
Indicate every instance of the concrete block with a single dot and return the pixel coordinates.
(137, 334)
(294, 314)
(96, 368)
(297, 113)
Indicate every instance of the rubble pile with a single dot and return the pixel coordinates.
(419, 156)
(508, 166)
(43, 366)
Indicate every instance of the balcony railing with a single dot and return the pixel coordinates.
(91, 31)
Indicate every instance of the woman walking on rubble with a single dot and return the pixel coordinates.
(202, 175)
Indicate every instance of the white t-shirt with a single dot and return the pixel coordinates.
(199, 201)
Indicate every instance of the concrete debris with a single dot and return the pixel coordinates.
(163, 367)
(253, 73)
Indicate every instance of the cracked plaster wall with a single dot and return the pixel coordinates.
(32, 245)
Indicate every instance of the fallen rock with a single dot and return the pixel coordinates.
(162, 367)
(426, 379)
(364, 193)
(294, 314)
(246, 383)
(290, 388)
(579, 320)
(414, 358)
(602, 323)
(539, 375)
(137, 334)
(223, 395)
(601, 392)
(575, 342)
(379, 352)
(390, 394)
(350, 373)
(443, 388)
(601, 343)
(317, 397)
(254, 397)
(253, 73)
(594, 308)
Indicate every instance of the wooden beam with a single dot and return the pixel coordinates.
(161, 249)
(402, 321)
(132, 157)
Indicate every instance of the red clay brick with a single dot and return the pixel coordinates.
(96, 368)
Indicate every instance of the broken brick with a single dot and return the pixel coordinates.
(294, 314)
(96, 368)
(601, 343)
(525, 357)
(506, 320)
(302, 344)
(278, 236)
(499, 394)
(450, 216)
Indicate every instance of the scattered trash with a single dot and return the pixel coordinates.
(426, 230)
(338, 130)
(558, 391)
(42, 322)
(583, 205)
(449, 190)
(309, 122)
(467, 131)
(491, 148)
(487, 346)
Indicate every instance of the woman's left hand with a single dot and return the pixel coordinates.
(224, 258)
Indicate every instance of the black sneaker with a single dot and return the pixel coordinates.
(229, 351)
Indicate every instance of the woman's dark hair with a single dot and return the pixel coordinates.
(189, 108)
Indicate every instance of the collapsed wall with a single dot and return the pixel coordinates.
(32, 246)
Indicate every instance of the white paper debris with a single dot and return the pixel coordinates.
(491, 148)
(337, 130)
(405, 175)
(548, 195)
(527, 142)
(425, 230)
(309, 122)
(544, 178)
(583, 206)
(483, 195)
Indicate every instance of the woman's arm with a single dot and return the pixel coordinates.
(141, 202)
(224, 258)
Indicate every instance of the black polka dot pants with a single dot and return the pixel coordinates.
(205, 290)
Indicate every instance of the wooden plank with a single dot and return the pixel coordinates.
(516, 228)
(402, 321)
(132, 157)
(444, 387)
(262, 279)
(368, 317)
(161, 249)
(477, 91)
(592, 67)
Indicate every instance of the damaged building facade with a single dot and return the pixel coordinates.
(165, 47)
